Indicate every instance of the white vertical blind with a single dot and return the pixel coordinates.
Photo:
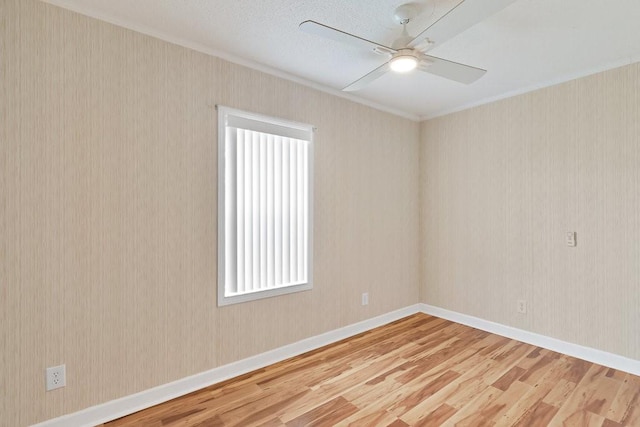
(266, 198)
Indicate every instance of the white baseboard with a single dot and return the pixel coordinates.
(129, 404)
(586, 353)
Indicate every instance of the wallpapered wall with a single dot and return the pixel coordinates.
(108, 214)
(501, 185)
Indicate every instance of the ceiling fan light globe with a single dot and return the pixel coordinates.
(403, 63)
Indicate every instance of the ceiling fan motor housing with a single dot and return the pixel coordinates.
(405, 13)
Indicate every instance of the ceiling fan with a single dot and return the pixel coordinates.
(408, 53)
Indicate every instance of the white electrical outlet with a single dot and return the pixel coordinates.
(571, 238)
(56, 377)
(365, 298)
(522, 306)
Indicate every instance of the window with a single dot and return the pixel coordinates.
(265, 173)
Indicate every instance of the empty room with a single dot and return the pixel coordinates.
(297, 213)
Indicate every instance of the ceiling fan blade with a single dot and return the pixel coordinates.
(367, 78)
(463, 16)
(315, 28)
(450, 70)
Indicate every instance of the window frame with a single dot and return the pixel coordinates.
(266, 123)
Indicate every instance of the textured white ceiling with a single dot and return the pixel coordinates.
(529, 44)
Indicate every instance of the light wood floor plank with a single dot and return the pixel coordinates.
(593, 396)
(418, 371)
(626, 406)
(523, 408)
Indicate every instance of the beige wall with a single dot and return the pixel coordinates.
(108, 212)
(502, 184)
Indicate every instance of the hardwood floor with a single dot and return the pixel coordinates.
(418, 371)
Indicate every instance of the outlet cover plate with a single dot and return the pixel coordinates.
(56, 377)
(522, 306)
